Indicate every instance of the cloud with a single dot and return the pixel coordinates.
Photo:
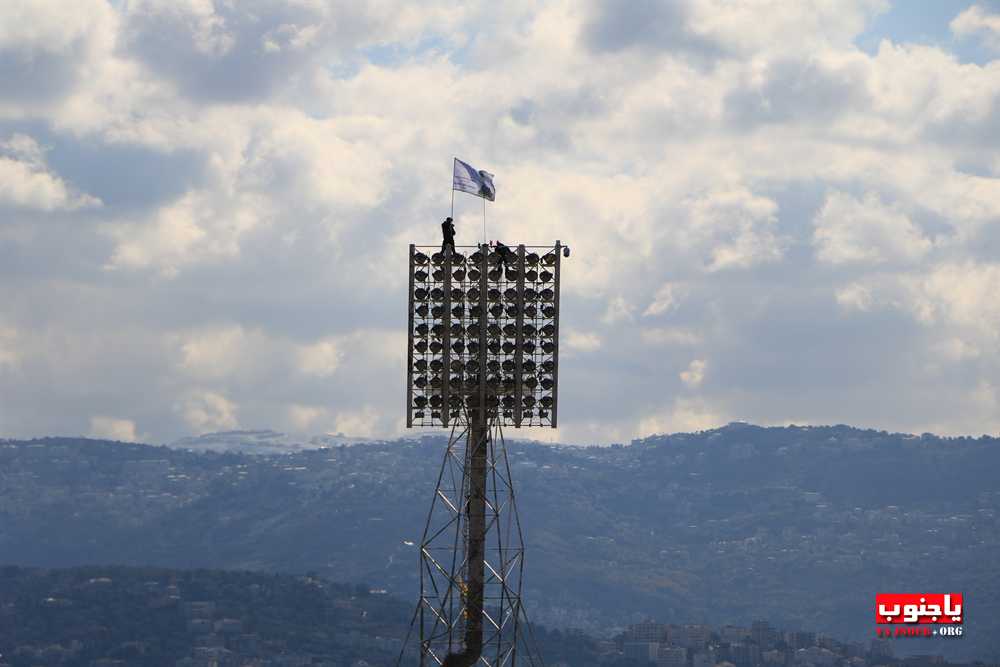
(218, 353)
(866, 231)
(618, 310)
(666, 297)
(580, 341)
(810, 91)
(304, 418)
(956, 350)
(695, 373)
(648, 25)
(712, 29)
(47, 51)
(362, 423)
(207, 207)
(958, 294)
(684, 415)
(27, 183)
(206, 411)
(321, 358)
(194, 229)
(112, 428)
(213, 50)
(250, 51)
(670, 336)
(732, 228)
(978, 22)
(854, 297)
(8, 349)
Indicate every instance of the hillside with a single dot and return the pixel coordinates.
(798, 525)
(150, 617)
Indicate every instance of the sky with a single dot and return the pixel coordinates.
(779, 212)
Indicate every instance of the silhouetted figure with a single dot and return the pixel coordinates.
(505, 254)
(448, 233)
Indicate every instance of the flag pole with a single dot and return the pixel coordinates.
(484, 219)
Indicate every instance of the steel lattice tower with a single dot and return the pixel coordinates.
(483, 354)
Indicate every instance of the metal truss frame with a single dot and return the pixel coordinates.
(445, 609)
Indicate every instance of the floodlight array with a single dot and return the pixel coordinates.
(483, 336)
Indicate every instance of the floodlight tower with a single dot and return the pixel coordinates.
(482, 354)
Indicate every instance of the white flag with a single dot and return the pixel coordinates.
(475, 182)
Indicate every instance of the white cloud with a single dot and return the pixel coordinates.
(716, 29)
(670, 336)
(194, 229)
(618, 310)
(582, 341)
(684, 415)
(695, 373)
(321, 358)
(47, 50)
(26, 182)
(206, 28)
(955, 350)
(113, 428)
(865, 231)
(206, 411)
(976, 21)
(258, 158)
(958, 294)
(854, 297)
(8, 349)
(305, 417)
(734, 227)
(216, 353)
(666, 297)
(361, 423)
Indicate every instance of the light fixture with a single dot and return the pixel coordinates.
(495, 345)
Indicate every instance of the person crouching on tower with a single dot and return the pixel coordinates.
(506, 256)
(448, 233)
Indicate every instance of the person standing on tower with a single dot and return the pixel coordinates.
(448, 234)
(506, 255)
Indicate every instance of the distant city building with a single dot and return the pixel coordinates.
(773, 657)
(733, 633)
(646, 632)
(146, 472)
(815, 656)
(829, 643)
(199, 626)
(763, 634)
(199, 609)
(855, 650)
(691, 636)
(641, 651)
(799, 639)
(672, 656)
(745, 654)
(706, 658)
(229, 626)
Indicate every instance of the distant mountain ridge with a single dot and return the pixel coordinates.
(800, 525)
(263, 441)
